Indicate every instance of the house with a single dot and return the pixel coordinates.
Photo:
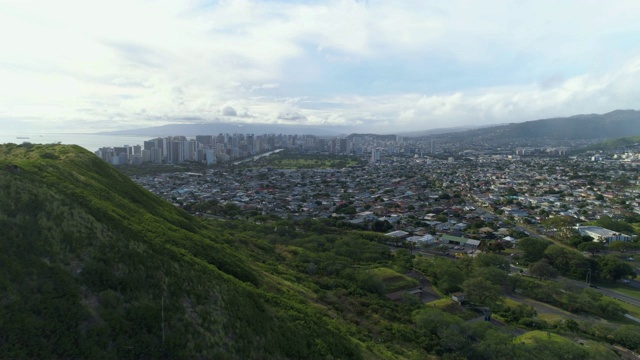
(458, 297)
(460, 226)
(486, 230)
(602, 235)
(488, 217)
(397, 234)
(426, 239)
(472, 243)
(449, 239)
(442, 226)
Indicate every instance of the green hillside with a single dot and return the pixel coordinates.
(94, 266)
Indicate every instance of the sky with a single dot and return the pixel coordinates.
(374, 66)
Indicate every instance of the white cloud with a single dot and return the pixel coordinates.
(381, 65)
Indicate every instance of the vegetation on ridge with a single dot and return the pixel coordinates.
(94, 266)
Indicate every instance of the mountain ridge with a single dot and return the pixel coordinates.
(617, 123)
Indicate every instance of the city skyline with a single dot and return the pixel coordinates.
(364, 66)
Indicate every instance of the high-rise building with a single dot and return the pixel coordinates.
(322, 145)
(156, 156)
(334, 146)
(150, 144)
(189, 150)
(210, 157)
(205, 140)
(375, 155)
(146, 155)
(175, 152)
(343, 146)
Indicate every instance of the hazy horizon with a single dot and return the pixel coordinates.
(361, 66)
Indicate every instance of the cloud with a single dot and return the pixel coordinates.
(264, 87)
(292, 116)
(289, 112)
(138, 55)
(227, 110)
(383, 66)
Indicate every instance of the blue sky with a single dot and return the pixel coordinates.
(383, 66)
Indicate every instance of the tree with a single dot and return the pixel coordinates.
(576, 239)
(444, 249)
(492, 260)
(562, 224)
(493, 274)
(559, 257)
(628, 335)
(542, 270)
(613, 268)
(571, 325)
(449, 279)
(494, 344)
(381, 226)
(622, 246)
(481, 291)
(430, 319)
(369, 282)
(442, 218)
(533, 248)
(593, 247)
(404, 260)
(569, 262)
(619, 226)
(494, 246)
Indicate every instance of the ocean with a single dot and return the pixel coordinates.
(90, 142)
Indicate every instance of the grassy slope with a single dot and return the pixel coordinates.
(550, 345)
(392, 280)
(91, 263)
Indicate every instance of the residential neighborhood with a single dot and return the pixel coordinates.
(420, 198)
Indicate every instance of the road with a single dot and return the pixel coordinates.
(634, 283)
(543, 308)
(610, 293)
(616, 295)
(581, 284)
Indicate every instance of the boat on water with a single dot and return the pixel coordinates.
(22, 137)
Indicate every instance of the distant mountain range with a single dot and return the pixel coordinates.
(615, 124)
(618, 123)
